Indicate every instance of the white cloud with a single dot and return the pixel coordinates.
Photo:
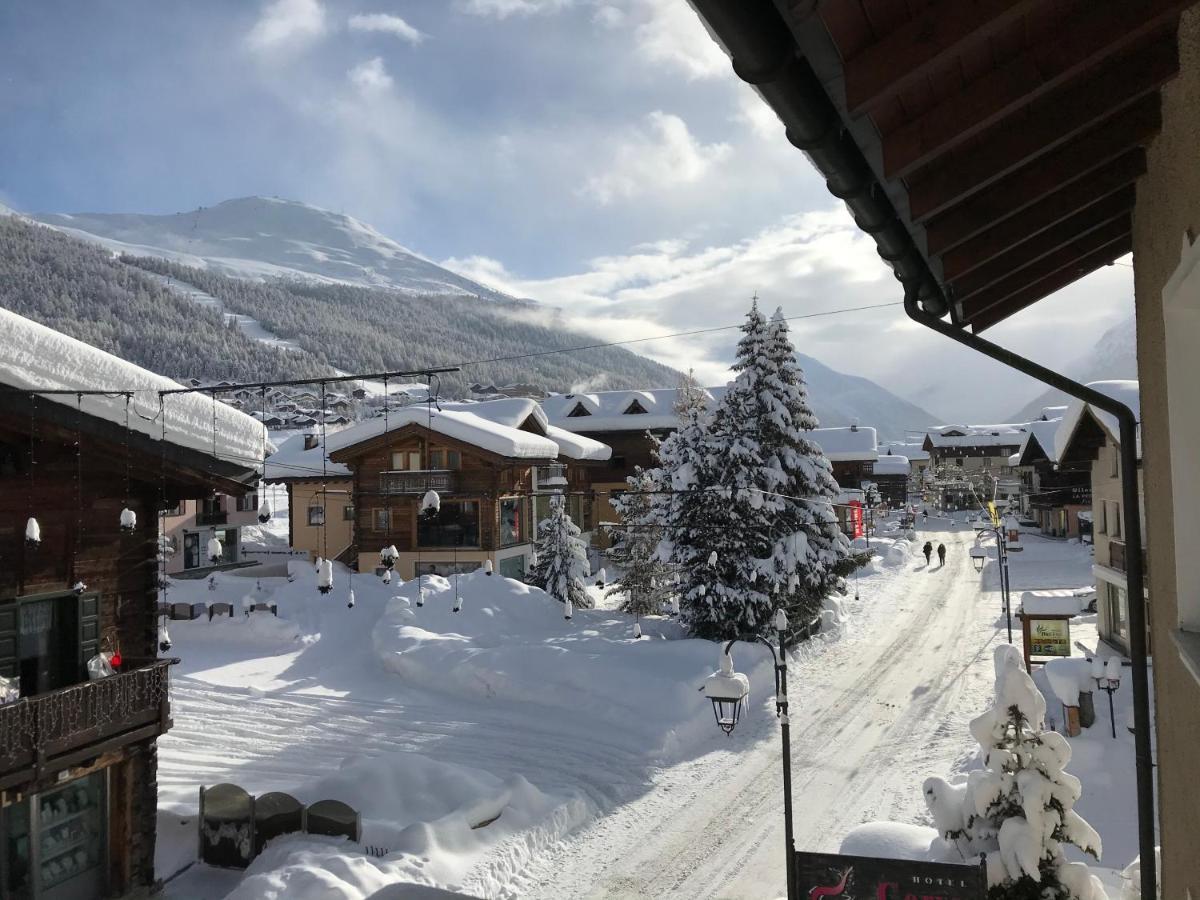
(287, 24)
(609, 16)
(370, 76)
(502, 9)
(672, 35)
(386, 24)
(663, 153)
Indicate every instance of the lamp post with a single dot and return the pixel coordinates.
(727, 690)
(977, 558)
(1107, 674)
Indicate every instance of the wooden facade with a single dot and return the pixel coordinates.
(70, 743)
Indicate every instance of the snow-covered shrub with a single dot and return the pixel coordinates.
(1019, 808)
(561, 558)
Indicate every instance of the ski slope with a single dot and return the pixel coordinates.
(872, 716)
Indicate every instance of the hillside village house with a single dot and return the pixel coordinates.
(995, 154)
(975, 451)
(1056, 495)
(489, 463)
(852, 451)
(1088, 438)
(78, 756)
(891, 475)
(631, 423)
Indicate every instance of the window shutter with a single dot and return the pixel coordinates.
(89, 631)
(8, 641)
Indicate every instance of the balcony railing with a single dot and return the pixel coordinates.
(417, 482)
(217, 517)
(551, 478)
(36, 732)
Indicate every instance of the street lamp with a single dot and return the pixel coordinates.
(728, 689)
(978, 557)
(1107, 674)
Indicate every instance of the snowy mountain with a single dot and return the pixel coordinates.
(333, 288)
(1114, 357)
(265, 237)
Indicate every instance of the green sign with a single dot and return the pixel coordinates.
(1049, 637)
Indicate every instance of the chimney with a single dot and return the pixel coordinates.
(310, 442)
(854, 424)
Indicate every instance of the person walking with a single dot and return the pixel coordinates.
(928, 551)
(941, 555)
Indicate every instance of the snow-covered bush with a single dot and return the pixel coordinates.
(561, 558)
(1019, 808)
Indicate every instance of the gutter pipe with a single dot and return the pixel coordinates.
(763, 48)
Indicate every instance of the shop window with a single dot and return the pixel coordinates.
(55, 841)
(513, 567)
(445, 568)
(316, 515)
(511, 531)
(455, 525)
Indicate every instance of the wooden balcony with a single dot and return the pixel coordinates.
(418, 481)
(61, 728)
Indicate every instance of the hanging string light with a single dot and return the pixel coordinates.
(78, 587)
(264, 506)
(164, 639)
(33, 531)
(388, 555)
(324, 566)
(128, 516)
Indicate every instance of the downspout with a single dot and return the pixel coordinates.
(1134, 562)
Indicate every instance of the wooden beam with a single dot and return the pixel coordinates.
(1045, 243)
(1132, 127)
(1049, 211)
(1060, 118)
(1063, 54)
(883, 69)
(1065, 256)
(1049, 285)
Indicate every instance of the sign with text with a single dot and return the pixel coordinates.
(856, 517)
(829, 876)
(1049, 637)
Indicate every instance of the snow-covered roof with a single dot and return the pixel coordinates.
(1059, 602)
(34, 357)
(846, 444)
(948, 436)
(892, 464)
(1123, 391)
(914, 451)
(614, 410)
(493, 425)
(1042, 432)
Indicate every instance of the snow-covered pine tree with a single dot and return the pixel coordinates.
(644, 579)
(561, 557)
(1019, 809)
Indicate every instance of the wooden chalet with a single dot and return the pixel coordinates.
(997, 151)
(77, 756)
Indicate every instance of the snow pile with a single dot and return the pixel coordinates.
(1058, 602)
(1018, 809)
(35, 357)
(510, 642)
(899, 553)
(1067, 678)
(433, 817)
(895, 840)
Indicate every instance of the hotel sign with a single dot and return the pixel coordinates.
(828, 876)
(1049, 637)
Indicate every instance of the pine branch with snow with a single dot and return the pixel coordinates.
(644, 580)
(1019, 809)
(561, 557)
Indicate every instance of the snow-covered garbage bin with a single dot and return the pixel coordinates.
(726, 689)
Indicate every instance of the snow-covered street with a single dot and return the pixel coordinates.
(872, 716)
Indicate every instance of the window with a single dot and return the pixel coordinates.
(316, 515)
(1114, 520)
(958, 462)
(211, 506)
(513, 567)
(229, 544)
(442, 458)
(577, 411)
(511, 531)
(1114, 462)
(635, 409)
(348, 513)
(247, 503)
(382, 519)
(446, 568)
(455, 525)
(176, 509)
(406, 461)
(616, 462)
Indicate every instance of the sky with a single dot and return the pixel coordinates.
(597, 155)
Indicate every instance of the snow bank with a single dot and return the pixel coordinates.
(1060, 602)
(1067, 678)
(510, 642)
(35, 357)
(896, 840)
(899, 553)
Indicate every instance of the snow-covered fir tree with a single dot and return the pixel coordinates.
(644, 580)
(750, 525)
(561, 557)
(1019, 808)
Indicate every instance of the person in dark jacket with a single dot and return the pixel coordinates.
(941, 554)
(928, 551)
